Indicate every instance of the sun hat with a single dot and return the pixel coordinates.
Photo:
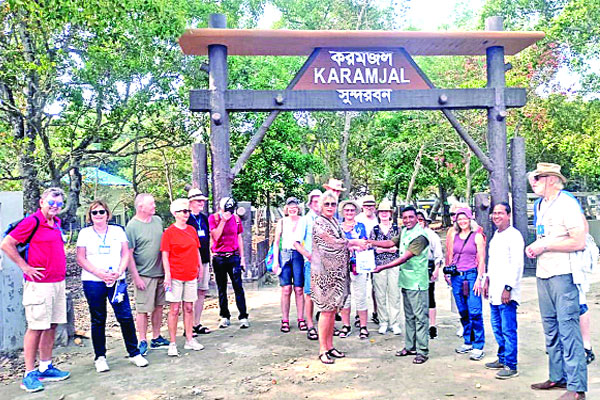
(313, 193)
(292, 200)
(334, 184)
(368, 199)
(196, 194)
(465, 210)
(346, 202)
(385, 205)
(546, 169)
(424, 214)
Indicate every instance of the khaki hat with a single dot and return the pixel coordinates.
(385, 205)
(196, 194)
(368, 199)
(292, 200)
(334, 184)
(346, 202)
(548, 169)
(313, 193)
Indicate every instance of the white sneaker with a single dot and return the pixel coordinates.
(173, 350)
(463, 349)
(383, 329)
(396, 330)
(244, 323)
(139, 361)
(460, 331)
(477, 354)
(101, 364)
(193, 345)
(224, 323)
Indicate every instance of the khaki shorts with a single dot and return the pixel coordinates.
(203, 282)
(45, 304)
(183, 291)
(153, 296)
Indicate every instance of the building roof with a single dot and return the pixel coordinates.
(281, 42)
(91, 175)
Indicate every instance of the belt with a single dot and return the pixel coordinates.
(227, 254)
(463, 273)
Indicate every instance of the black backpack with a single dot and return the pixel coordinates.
(23, 248)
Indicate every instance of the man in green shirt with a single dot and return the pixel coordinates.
(144, 233)
(413, 279)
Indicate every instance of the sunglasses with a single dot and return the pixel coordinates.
(98, 212)
(53, 203)
(329, 204)
(349, 210)
(538, 177)
(183, 211)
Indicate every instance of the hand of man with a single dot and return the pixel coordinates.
(139, 283)
(167, 284)
(477, 287)
(534, 249)
(505, 296)
(486, 287)
(434, 275)
(33, 272)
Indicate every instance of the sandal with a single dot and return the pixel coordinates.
(375, 318)
(325, 359)
(285, 326)
(312, 334)
(364, 332)
(404, 353)
(201, 330)
(302, 325)
(336, 331)
(420, 359)
(336, 353)
(357, 321)
(345, 331)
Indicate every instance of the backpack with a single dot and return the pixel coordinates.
(23, 248)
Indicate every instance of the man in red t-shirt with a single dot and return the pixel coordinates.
(44, 299)
(228, 259)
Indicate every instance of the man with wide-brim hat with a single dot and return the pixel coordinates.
(336, 185)
(560, 231)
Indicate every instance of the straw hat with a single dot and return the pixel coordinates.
(196, 194)
(368, 200)
(334, 184)
(346, 202)
(385, 205)
(548, 169)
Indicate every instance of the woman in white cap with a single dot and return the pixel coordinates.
(289, 264)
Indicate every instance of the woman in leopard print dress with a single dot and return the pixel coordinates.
(330, 278)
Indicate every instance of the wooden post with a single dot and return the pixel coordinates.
(245, 213)
(497, 116)
(518, 171)
(219, 116)
(200, 170)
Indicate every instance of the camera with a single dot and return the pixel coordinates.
(451, 270)
(230, 205)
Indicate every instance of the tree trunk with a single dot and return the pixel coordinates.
(345, 170)
(468, 177)
(446, 221)
(413, 178)
(268, 218)
(69, 216)
(168, 176)
(395, 201)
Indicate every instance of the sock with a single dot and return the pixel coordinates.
(28, 372)
(587, 345)
(44, 365)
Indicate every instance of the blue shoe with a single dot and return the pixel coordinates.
(159, 342)
(143, 347)
(53, 374)
(31, 382)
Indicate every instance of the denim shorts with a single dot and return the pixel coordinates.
(306, 277)
(292, 268)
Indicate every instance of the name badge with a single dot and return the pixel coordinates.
(540, 230)
(201, 233)
(102, 249)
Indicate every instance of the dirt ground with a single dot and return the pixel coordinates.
(263, 363)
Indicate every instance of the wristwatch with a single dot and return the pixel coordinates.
(507, 288)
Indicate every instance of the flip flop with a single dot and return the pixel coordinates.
(312, 334)
(324, 358)
(336, 353)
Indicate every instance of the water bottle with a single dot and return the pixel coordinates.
(110, 271)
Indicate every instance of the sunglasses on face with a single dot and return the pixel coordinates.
(329, 204)
(53, 203)
(538, 177)
(349, 210)
(183, 211)
(98, 212)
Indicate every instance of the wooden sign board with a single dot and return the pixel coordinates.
(361, 74)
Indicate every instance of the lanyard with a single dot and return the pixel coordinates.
(540, 220)
(198, 220)
(105, 233)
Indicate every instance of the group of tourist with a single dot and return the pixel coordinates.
(326, 258)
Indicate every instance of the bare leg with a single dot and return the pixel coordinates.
(188, 319)
(346, 316)
(326, 322)
(47, 343)
(299, 292)
(286, 293)
(141, 320)
(363, 316)
(329, 335)
(157, 316)
(31, 343)
(199, 306)
(172, 320)
(308, 311)
(433, 314)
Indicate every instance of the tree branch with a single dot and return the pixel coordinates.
(485, 160)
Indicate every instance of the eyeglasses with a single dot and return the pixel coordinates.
(329, 204)
(349, 210)
(183, 211)
(53, 203)
(538, 177)
(96, 212)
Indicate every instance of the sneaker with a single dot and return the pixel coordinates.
(224, 323)
(53, 374)
(143, 347)
(193, 345)
(463, 349)
(101, 364)
(159, 342)
(396, 330)
(383, 329)
(244, 323)
(375, 318)
(507, 373)
(31, 382)
(460, 331)
(494, 365)
(433, 332)
(139, 361)
(477, 355)
(589, 356)
(173, 350)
